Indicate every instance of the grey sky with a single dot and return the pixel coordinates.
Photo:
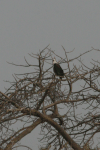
(27, 26)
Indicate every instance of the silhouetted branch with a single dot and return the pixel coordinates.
(67, 110)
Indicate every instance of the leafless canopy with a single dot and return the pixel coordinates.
(67, 110)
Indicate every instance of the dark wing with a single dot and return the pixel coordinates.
(58, 70)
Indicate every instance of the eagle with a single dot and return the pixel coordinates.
(57, 69)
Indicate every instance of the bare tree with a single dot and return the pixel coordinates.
(65, 112)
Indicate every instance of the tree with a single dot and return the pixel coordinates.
(37, 98)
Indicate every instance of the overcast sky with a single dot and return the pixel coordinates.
(29, 25)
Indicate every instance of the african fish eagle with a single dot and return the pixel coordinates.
(57, 69)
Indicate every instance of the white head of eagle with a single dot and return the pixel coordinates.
(57, 69)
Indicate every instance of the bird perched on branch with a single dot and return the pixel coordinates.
(57, 69)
